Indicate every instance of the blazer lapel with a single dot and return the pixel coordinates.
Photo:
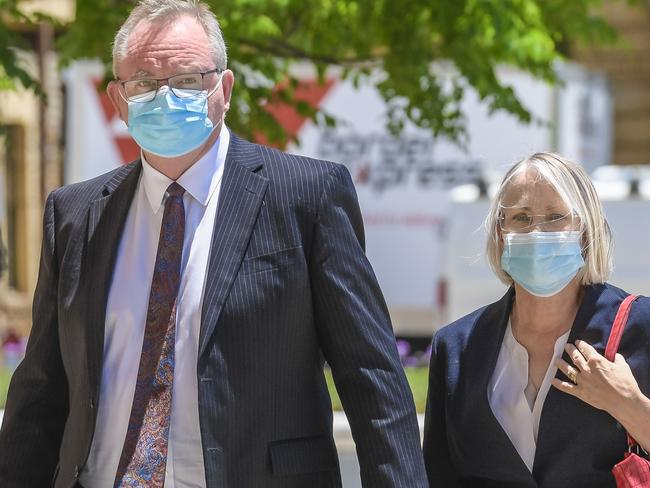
(106, 218)
(592, 325)
(501, 459)
(240, 199)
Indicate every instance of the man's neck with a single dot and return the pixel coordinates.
(173, 168)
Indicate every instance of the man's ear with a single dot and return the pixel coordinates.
(113, 92)
(227, 83)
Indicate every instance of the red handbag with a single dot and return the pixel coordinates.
(634, 470)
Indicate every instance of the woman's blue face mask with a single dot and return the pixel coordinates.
(543, 263)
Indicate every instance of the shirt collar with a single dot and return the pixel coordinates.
(200, 180)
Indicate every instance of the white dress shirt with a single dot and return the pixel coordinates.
(516, 409)
(126, 313)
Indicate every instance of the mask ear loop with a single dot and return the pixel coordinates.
(584, 243)
(500, 232)
(213, 91)
(216, 87)
(120, 89)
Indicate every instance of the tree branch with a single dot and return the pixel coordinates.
(282, 49)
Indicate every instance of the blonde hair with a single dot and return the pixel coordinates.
(163, 10)
(574, 186)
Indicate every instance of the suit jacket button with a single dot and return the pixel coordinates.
(76, 471)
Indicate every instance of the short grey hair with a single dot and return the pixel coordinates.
(165, 10)
(574, 186)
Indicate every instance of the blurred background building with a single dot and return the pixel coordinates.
(627, 68)
(31, 164)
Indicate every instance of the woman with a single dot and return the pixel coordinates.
(499, 413)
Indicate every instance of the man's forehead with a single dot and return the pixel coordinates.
(158, 57)
(157, 49)
(180, 27)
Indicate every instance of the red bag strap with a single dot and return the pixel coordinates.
(618, 327)
(615, 339)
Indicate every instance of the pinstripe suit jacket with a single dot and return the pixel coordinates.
(288, 285)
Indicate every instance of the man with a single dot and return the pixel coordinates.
(186, 302)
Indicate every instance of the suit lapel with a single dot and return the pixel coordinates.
(106, 217)
(240, 199)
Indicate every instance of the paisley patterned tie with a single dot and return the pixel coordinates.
(144, 455)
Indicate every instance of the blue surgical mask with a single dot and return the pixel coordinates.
(543, 263)
(170, 126)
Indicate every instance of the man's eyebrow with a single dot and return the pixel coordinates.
(142, 73)
(188, 68)
(191, 68)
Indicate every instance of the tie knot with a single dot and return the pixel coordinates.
(175, 190)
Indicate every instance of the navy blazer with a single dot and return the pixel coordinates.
(577, 445)
(287, 286)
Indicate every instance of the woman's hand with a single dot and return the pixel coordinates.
(609, 386)
(600, 383)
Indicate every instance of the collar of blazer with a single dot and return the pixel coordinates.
(478, 360)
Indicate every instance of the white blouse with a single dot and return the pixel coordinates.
(516, 409)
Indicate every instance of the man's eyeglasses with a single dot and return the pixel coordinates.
(186, 85)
